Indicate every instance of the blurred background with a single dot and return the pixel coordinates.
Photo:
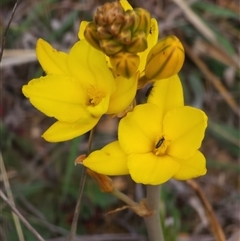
(42, 176)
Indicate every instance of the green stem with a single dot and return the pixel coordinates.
(123, 197)
(153, 222)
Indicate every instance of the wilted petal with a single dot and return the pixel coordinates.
(51, 60)
(57, 96)
(185, 128)
(192, 167)
(110, 160)
(150, 169)
(63, 131)
(138, 130)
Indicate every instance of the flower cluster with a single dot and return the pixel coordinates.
(118, 53)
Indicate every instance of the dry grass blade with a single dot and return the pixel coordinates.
(6, 30)
(18, 57)
(10, 196)
(215, 226)
(20, 216)
(213, 79)
(196, 21)
(203, 28)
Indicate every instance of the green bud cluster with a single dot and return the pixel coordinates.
(114, 30)
(120, 35)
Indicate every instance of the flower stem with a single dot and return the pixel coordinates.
(123, 197)
(152, 222)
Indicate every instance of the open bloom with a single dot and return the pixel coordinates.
(158, 140)
(76, 90)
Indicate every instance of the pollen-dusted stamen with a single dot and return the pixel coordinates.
(161, 146)
(94, 96)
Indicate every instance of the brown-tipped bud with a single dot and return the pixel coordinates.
(104, 182)
(103, 33)
(114, 29)
(125, 64)
(164, 59)
(109, 13)
(138, 43)
(124, 37)
(110, 46)
(145, 20)
(91, 35)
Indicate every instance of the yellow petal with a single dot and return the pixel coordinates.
(125, 4)
(89, 66)
(82, 27)
(185, 128)
(192, 167)
(110, 160)
(51, 60)
(101, 108)
(151, 169)
(125, 92)
(167, 94)
(138, 131)
(56, 96)
(63, 131)
(151, 41)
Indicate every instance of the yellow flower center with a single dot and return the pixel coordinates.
(94, 96)
(161, 146)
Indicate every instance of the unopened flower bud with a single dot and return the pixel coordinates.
(103, 33)
(125, 64)
(165, 59)
(144, 20)
(131, 20)
(138, 43)
(114, 29)
(109, 13)
(110, 46)
(91, 35)
(125, 37)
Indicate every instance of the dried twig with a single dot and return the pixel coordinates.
(215, 226)
(82, 183)
(6, 30)
(20, 216)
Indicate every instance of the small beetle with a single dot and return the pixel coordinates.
(160, 142)
(149, 91)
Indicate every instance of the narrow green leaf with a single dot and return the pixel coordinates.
(215, 10)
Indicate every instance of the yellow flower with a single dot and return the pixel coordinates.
(76, 90)
(157, 141)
